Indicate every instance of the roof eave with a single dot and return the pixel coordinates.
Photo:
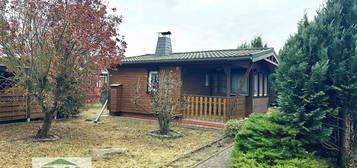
(263, 55)
(248, 57)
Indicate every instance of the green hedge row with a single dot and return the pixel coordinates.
(265, 140)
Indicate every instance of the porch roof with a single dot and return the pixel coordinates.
(254, 54)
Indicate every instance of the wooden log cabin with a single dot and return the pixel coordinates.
(210, 80)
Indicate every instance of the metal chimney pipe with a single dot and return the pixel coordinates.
(163, 46)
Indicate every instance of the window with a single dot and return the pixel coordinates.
(219, 83)
(103, 80)
(265, 85)
(98, 84)
(153, 81)
(261, 84)
(207, 80)
(255, 84)
(235, 82)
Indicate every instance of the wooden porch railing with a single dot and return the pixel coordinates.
(211, 108)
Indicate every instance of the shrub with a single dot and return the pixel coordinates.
(240, 160)
(232, 127)
(267, 141)
(71, 101)
(309, 162)
(70, 106)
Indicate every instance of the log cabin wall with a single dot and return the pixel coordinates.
(260, 105)
(129, 79)
(132, 77)
(240, 108)
(176, 75)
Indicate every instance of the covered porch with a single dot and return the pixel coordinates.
(210, 91)
(213, 108)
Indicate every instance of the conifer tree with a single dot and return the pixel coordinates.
(257, 42)
(317, 78)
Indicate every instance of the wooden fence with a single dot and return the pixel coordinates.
(15, 105)
(209, 108)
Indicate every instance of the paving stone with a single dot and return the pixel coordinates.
(103, 153)
(219, 161)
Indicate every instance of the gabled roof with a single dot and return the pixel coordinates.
(254, 54)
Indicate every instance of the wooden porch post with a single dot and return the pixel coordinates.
(227, 71)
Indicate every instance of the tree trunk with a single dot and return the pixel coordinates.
(46, 125)
(345, 151)
(164, 124)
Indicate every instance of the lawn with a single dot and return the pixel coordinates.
(77, 137)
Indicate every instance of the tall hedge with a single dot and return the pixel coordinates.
(317, 78)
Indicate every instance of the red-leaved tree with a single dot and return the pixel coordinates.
(54, 46)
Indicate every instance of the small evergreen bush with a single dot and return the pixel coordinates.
(232, 127)
(240, 160)
(308, 162)
(71, 101)
(267, 141)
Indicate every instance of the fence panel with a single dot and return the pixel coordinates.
(15, 104)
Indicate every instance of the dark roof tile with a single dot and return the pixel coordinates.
(209, 55)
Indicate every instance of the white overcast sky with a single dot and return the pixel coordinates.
(209, 24)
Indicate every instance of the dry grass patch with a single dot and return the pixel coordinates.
(272, 110)
(77, 137)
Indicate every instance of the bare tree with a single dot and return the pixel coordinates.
(165, 100)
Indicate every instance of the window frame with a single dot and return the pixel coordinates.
(207, 80)
(265, 77)
(219, 83)
(255, 84)
(260, 84)
(150, 86)
(245, 90)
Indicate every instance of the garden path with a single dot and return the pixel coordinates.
(221, 160)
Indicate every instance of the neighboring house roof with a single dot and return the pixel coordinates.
(254, 54)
